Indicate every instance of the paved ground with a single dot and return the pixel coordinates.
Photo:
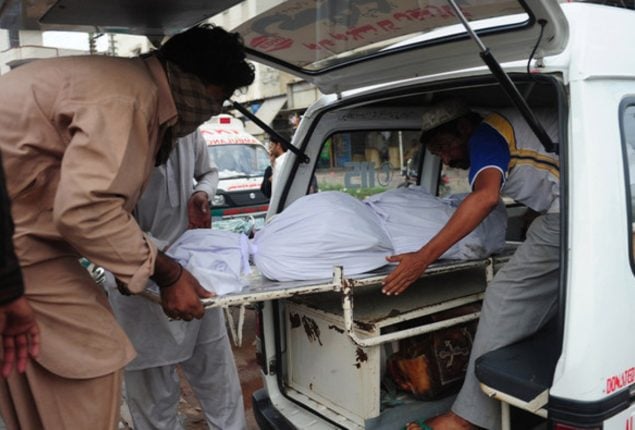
(250, 381)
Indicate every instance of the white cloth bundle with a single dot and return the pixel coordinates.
(412, 217)
(217, 259)
(318, 232)
(489, 237)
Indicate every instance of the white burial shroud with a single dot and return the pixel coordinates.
(318, 232)
(412, 216)
(216, 258)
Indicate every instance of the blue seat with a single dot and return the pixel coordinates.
(523, 370)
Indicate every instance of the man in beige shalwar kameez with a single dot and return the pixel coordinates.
(79, 137)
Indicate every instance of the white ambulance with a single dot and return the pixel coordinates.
(380, 65)
(323, 357)
(241, 160)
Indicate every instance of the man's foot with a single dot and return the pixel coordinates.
(447, 421)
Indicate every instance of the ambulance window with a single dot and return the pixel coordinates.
(628, 139)
(362, 163)
(238, 160)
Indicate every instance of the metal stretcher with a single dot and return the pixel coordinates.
(261, 289)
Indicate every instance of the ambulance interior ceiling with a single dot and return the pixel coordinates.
(480, 92)
(143, 17)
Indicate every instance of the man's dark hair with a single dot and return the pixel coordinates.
(212, 54)
(450, 127)
(283, 134)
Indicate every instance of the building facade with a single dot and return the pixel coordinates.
(277, 98)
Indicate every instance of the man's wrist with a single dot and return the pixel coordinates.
(176, 276)
(427, 254)
(200, 191)
(167, 271)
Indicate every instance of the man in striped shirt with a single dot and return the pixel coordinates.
(504, 158)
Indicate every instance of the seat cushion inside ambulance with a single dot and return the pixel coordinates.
(524, 369)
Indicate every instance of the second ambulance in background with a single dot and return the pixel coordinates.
(241, 160)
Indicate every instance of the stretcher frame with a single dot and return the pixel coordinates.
(261, 289)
